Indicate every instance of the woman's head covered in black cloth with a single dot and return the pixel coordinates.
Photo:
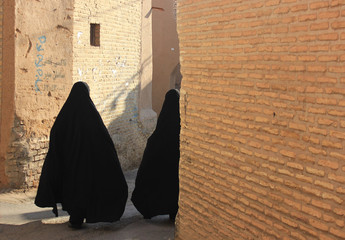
(87, 86)
(170, 110)
(82, 170)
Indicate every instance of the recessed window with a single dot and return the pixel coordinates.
(95, 34)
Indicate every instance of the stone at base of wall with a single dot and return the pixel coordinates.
(148, 119)
(24, 162)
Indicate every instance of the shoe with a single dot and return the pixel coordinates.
(75, 221)
(172, 217)
(74, 226)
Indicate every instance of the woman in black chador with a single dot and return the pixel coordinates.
(157, 185)
(81, 170)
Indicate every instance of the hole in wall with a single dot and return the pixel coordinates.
(95, 34)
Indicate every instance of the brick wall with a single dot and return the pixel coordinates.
(112, 69)
(25, 157)
(263, 120)
(52, 50)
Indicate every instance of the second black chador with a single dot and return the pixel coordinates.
(157, 185)
(82, 170)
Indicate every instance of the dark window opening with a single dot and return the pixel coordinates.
(95, 34)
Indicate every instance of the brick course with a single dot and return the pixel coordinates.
(262, 138)
(112, 70)
(50, 57)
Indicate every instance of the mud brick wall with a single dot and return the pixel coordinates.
(38, 66)
(52, 49)
(263, 120)
(25, 158)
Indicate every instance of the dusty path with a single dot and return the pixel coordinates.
(20, 219)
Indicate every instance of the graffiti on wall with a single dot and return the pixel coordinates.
(44, 79)
(39, 61)
(56, 73)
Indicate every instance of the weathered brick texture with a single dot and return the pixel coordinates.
(112, 70)
(263, 120)
(52, 51)
(41, 78)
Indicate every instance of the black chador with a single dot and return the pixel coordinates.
(157, 184)
(82, 170)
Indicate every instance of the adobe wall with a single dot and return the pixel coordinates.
(49, 51)
(165, 49)
(40, 76)
(263, 120)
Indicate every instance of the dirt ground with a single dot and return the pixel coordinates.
(20, 219)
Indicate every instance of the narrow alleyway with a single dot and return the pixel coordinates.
(21, 219)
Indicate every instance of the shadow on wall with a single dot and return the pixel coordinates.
(26, 155)
(126, 130)
(176, 77)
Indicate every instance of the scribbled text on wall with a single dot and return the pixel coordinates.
(39, 61)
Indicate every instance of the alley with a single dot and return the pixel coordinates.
(20, 219)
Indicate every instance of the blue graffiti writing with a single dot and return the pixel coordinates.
(42, 39)
(36, 82)
(40, 59)
(38, 62)
(40, 72)
(39, 47)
